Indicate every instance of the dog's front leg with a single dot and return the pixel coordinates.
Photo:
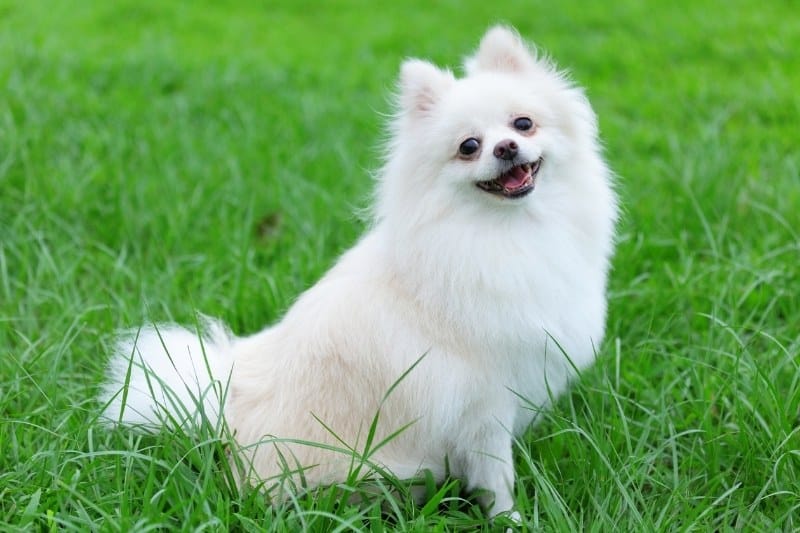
(489, 469)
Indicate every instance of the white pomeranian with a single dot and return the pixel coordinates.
(475, 297)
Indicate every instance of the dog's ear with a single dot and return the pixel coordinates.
(503, 50)
(422, 84)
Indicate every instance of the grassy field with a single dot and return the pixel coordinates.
(158, 158)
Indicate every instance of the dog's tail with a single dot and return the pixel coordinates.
(169, 376)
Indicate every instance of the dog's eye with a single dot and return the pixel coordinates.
(523, 123)
(469, 147)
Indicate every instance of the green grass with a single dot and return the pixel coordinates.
(158, 158)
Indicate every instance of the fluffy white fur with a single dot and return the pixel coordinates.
(503, 299)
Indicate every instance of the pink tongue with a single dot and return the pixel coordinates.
(514, 178)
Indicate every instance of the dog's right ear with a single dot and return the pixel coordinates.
(422, 84)
(502, 50)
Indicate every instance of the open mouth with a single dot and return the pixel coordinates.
(516, 182)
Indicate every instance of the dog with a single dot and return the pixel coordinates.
(472, 301)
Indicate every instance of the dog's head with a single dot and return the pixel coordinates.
(492, 138)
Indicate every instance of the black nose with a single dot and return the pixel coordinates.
(506, 149)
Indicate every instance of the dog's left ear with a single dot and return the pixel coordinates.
(422, 85)
(503, 50)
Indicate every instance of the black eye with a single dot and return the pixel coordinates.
(469, 147)
(523, 123)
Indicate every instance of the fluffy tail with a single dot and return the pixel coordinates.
(169, 376)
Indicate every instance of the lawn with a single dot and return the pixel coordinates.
(160, 158)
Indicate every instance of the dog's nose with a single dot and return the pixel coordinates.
(506, 149)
